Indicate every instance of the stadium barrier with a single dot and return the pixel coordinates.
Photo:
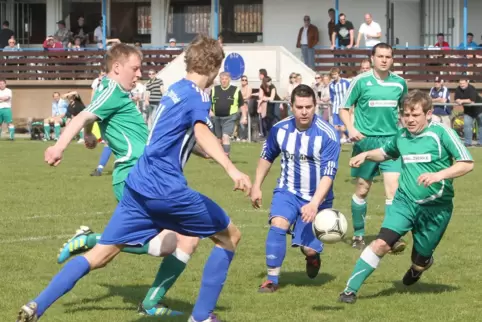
(412, 64)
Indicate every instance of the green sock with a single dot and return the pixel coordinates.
(81, 134)
(57, 131)
(388, 205)
(136, 250)
(358, 213)
(11, 131)
(364, 267)
(171, 268)
(92, 240)
(47, 131)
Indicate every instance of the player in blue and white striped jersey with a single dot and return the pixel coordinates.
(309, 148)
(338, 88)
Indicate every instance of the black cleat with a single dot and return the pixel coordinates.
(412, 276)
(358, 242)
(313, 265)
(347, 297)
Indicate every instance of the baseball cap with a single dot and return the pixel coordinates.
(62, 22)
(438, 79)
(172, 40)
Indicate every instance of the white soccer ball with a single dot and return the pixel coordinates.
(330, 226)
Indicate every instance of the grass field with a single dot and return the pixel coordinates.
(43, 206)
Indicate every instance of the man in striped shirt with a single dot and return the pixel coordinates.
(154, 92)
(309, 149)
(338, 88)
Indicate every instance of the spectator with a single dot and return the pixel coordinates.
(322, 90)
(441, 43)
(262, 74)
(6, 108)
(226, 102)
(6, 34)
(137, 94)
(99, 34)
(52, 42)
(331, 23)
(12, 46)
(371, 31)
(365, 66)
(293, 82)
(470, 42)
(440, 94)
(246, 92)
(467, 94)
(153, 95)
(173, 45)
(299, 78)
(62, 33)
(307, 40)
(58, 117)
(77, 45)
(81, 31)
(97, 83)
(344, 32)
(269, 111)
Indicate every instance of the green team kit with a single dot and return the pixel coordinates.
(122, 126)
(425, 211)
(377, 105)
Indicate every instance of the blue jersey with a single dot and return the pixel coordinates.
(159, 171)
(306, 156)
(337, 93)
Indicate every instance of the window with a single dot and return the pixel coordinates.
(144, 20)
(197, 19)
(248, 18)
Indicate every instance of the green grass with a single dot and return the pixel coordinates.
(42, 206)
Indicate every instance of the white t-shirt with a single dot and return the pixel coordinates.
(304, 36)
(371, 29)
(98, 34)
(139, 90)
(7, 103)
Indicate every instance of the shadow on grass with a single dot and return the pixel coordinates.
(132, 295)
(327, 308)
(418, 288)
(300, 279)
(353, 180)
(233, 161)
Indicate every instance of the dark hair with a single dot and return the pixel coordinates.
(341, 15)
(6, 23)
(263, 71)
(381, 45)
(417, 97)
(470, 34)
(303, 90)
(440, 34)
(331, 10)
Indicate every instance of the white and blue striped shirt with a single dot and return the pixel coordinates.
(306, 156)
(337, 93)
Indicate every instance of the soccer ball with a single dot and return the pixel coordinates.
(330, 226)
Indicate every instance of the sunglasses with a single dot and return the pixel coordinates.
(317, 77)
(244, 80)
(150, 74)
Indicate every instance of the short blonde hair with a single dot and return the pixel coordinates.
(120, 53)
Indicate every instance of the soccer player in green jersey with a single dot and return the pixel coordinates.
(123, 127)
(376, 96)
(423, 201)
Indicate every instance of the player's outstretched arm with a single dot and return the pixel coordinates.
(377, 155)
(210, 144)
(197, 150)
(73, 128)
(458, 169)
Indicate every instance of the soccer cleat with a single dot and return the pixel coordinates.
(412, 276)
(399, 247)
(28, 313)
(96, 173)
(313, 265)
(212, 318)
(358, 242)
(347, 297)
(268, 287)
(75, 245)
(158, 310)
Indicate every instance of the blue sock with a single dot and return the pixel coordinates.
(62, 283)
(214, 276)
(275, 252)
(104, 158)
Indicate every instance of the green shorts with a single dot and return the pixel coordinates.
(119, 190)
(6, 115)
(426, 222)
(369, 169)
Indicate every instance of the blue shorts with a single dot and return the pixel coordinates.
(288, 205)
(337, 121)
(138, 219)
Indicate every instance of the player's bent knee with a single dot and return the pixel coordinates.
(280, 222)
(388, 237)
(101, 255)
(228, 238)
(187, 244)
(380, 247)
(163, 244)
(362, 188)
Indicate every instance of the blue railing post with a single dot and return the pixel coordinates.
(465, 24)
(104, 23)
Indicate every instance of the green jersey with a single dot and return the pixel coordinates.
(121, 126)
(377, 103)
(430, 151)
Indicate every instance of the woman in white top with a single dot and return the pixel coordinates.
(246, 91)
(322, 91)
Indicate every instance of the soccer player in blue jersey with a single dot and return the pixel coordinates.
(338, 88)
(309, 149)
(156, 195)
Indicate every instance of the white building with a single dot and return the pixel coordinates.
(270, 22)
